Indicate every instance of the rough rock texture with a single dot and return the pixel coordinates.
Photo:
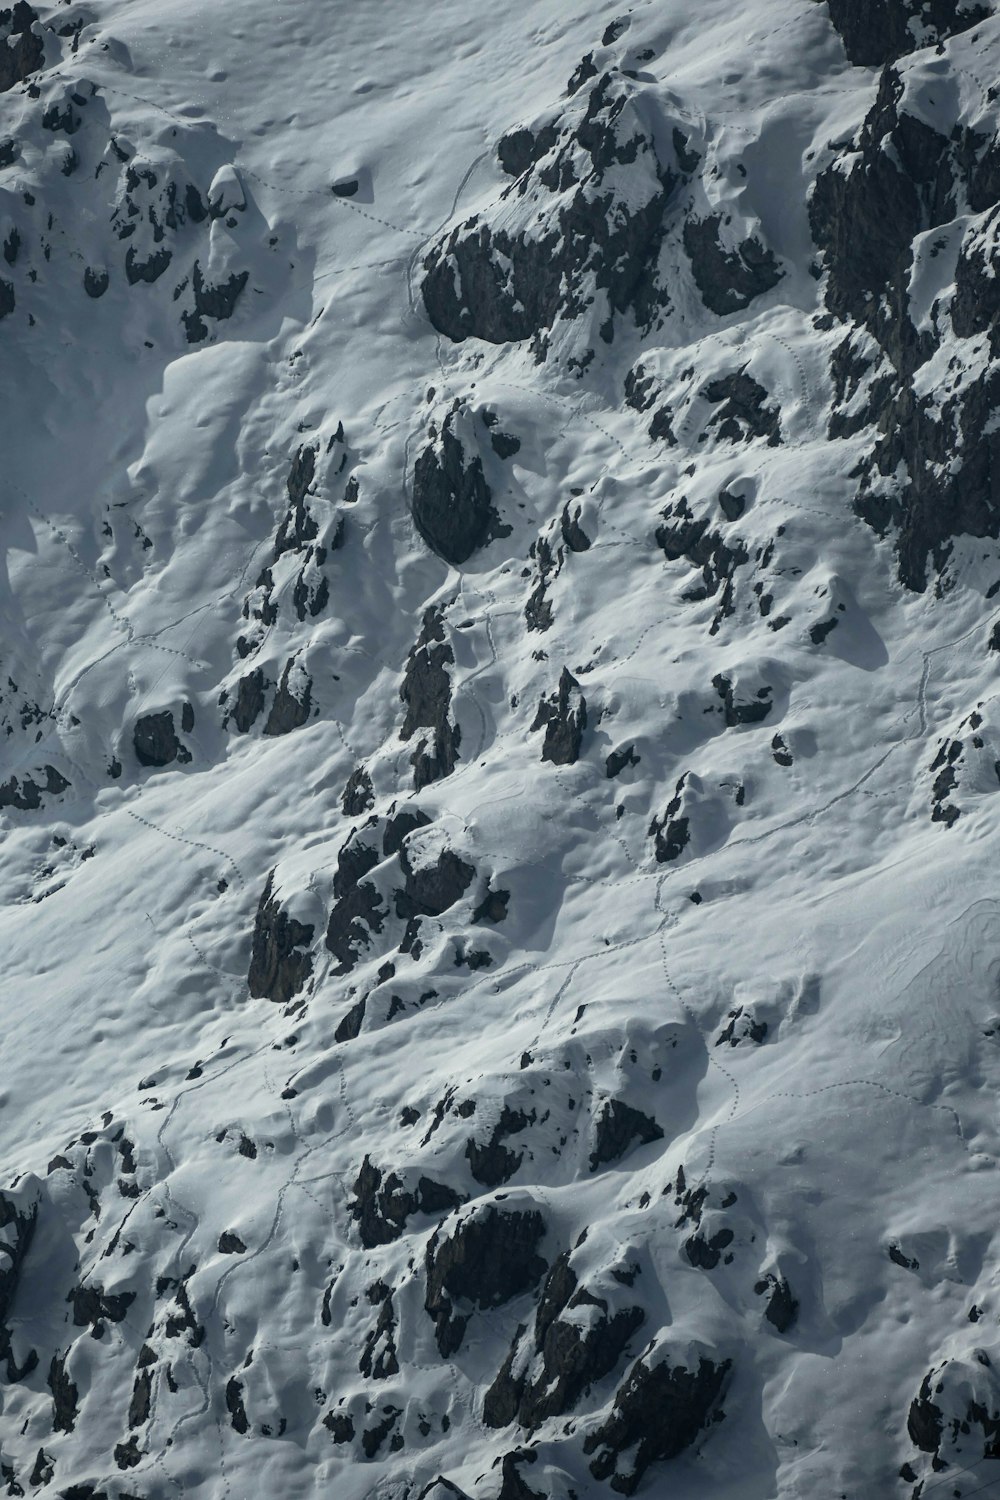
(251, 696)
(426, 691)
(358, 795)
(25, 793)
(576, 1340)
(781, 1308)
(155, 740)
(292, 704)
(359, 910)
(299, 526)
(671, 831)
(566, 222)
(876, 34)
(488, 1257)
(18, 1220)
(452, 503)
(658, 1412)
(742, 705)
(901, 179)
(563, 716)
(617, 1126)
(742, 413)
(280, 963)
(955, 1398)
(382, 1203)
(728, 279)
(696, 992)
(682, 536)
(430, 889)
(216, 301)
(21, 47)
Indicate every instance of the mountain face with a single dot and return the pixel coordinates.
(500, 750)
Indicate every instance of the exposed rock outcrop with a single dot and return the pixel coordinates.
(954, 1398)
(155, 740)
(617, 1126)
(452, 503)
(563, 716)
(658, 1412)
(280, 960)
(728, 278)
(383, 1203)
(586, 209)
(876, 34)
(22, 50)
(426, 691)
(577, 1338)
(359, 910)
(482, 1260)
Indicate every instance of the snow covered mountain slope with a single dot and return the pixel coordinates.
(501, 746)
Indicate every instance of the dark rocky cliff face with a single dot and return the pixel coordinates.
(22, 50)
(658, 1412)
(452, 502)
(869, 213)
(518, 271)
(879, 33)
(489, 1257)
(280, 961)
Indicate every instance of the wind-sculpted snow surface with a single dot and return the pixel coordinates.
(500, 750)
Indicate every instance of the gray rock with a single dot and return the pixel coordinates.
(155, 740)
(782, 1309)
(248, 704)
(65, 1396)
(452, 503)
(658, 1412)
(877, 34)
(564, 719)
(426, 692)
(298, 527)
(505, 284)
(487, 1258)
(22, 52)
(728, 280)
(743, 413)
(288, 711)
(25, 793)
(617, 1127)
(359, 910)
(217, 302)
(359, 794)
(148, 270)
(742, 710)
(280, 963)
(569, 1353)
(95, 281)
